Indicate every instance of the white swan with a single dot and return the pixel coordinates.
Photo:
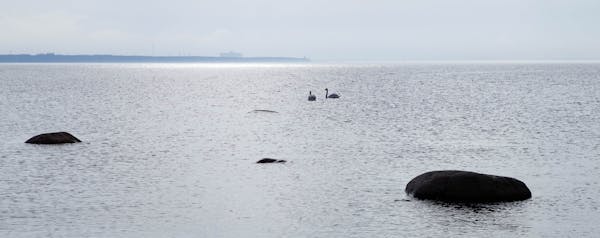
(311, 97)
(333, 95)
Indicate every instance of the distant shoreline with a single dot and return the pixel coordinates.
(58, 58)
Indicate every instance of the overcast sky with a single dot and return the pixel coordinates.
(319, 29)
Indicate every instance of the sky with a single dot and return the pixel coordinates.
(318, 29)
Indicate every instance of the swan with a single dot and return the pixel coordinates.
(311, 97)
(333, 95)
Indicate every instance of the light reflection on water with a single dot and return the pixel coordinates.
(169, 149)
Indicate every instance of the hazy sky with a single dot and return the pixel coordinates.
(321, 30)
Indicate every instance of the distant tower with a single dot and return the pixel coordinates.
(231, 54)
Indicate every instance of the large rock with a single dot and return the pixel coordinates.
(464, 186)
(53, 138)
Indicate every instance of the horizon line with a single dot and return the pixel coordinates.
(304, 58)
(109, 58)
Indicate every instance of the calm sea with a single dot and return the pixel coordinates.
(169, 149)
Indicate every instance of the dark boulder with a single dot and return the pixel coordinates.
(464, 186)
(53, 138)
(269, 160)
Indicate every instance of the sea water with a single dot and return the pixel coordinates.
(169, 150)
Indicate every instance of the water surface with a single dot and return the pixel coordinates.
(169, 149)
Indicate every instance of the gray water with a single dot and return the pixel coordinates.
(169, 149)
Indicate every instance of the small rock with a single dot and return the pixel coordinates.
(53, 138)
(269, 160)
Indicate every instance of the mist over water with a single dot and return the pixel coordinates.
(169, 149)
(320, 30)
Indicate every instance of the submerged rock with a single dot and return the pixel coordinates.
(269, 160)
(464, 186)
(53, 138)
(263, 110)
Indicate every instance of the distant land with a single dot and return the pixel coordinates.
(58, 58)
